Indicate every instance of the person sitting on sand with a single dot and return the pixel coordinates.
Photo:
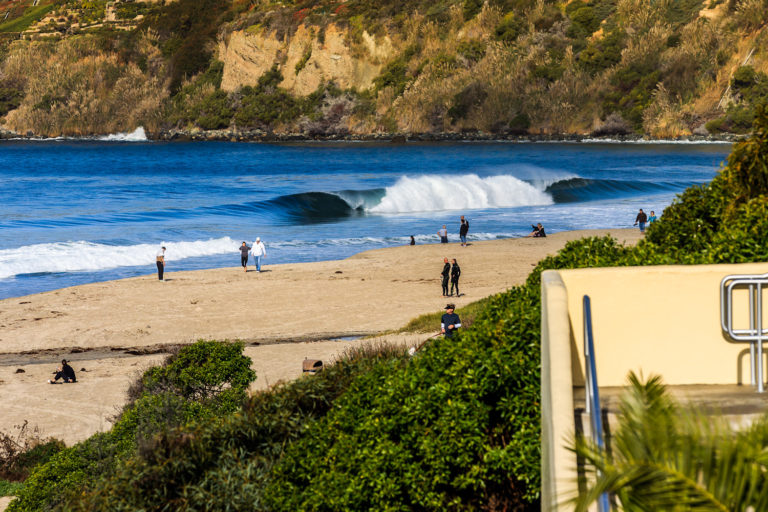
(65, 372)
(538, 231)
(450, 321)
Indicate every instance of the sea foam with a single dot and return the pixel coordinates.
(459, 192)
(137, 135)
(84, 256)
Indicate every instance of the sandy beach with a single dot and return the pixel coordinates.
(116, 329)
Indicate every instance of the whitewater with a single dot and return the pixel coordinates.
(79, 211)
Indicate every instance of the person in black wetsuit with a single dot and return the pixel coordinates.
(244, 256)
(538, 231)
(413, 240)
(455, 273)
(463, 230)
(65, 372)
(444, 276)
(450, 321)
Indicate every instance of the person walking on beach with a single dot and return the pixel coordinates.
(463, 230)
(641, 219)
(244, 256)
(65, 372)
(258, 252)
(652, 218)
(160, 260)
(444, 276)
(443, 234)
(455, 273)
(450, 321)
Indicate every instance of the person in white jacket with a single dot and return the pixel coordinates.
(258, 250)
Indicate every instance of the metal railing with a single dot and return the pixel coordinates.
(592, 393)
(757, 332)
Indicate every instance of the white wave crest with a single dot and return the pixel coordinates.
(137, 135)
(460, 192)
(84, 256)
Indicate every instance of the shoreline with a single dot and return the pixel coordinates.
(132, 315)
(114, 330)
(236, 135)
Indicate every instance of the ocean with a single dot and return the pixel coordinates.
(81, 211)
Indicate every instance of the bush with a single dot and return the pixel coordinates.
(509, 28)
(472, 96)
(21, 452)
(204, 379)
(472, 50)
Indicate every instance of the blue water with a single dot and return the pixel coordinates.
(74, 212)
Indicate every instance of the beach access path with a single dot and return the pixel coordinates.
(286, 313)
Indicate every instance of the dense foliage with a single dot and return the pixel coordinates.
(202, 380)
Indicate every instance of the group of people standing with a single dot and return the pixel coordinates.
(452, 272)
(443, 233)
(258, 251)
(642, 219)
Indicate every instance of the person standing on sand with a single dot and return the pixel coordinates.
(258, 252)
(455, 273)
(450, 321)
(244, 256)
(652, 217)
(65, 372)
(444, 276)
(160, 260)
(641, 219)
(413, 240)
(443, 234)
(463, 230)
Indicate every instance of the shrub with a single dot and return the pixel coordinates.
(472, 96)
(472, 50)
(509, 28)
(21, 452)
(520, 124)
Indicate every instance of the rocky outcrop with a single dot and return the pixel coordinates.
(248, 54)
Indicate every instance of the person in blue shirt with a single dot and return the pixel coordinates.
(450, 321)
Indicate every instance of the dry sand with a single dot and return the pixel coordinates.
(115, 329)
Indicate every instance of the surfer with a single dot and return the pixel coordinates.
(538, 231)
(455, 273)
(444, 276)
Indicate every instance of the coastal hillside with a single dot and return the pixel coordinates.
(358, 68)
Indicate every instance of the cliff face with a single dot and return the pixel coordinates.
(304, 60)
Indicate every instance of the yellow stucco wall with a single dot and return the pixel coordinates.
(659, 320)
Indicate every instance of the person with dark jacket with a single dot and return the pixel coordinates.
(455, 273)
(463, 230)
(450, 321)
(244, 256)
(444, 276)
(65, 372)
(538, 231)
(641, 219)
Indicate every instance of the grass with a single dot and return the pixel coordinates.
(23, 22)
(9, 488)
(430, 322)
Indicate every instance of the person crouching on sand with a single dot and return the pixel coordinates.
(538, 231)
(450, 321)
(65, 372)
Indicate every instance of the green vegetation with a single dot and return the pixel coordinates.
(202, 381)
(30, 16)
(9, 488)
(749, 89)
(430, 322)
